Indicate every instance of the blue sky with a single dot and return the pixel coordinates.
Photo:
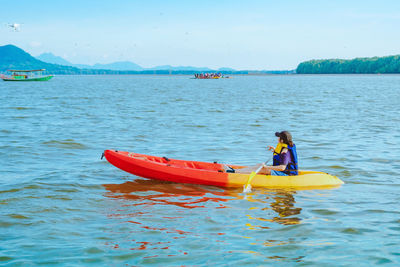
(265, 34)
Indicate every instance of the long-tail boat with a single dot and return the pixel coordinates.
(26, 76)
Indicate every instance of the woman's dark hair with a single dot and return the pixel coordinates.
(286, 137)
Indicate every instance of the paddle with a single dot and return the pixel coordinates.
(247, 186)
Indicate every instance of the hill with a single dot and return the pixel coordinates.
(389, 64)
(121, 65)
(50, 58)
(12, 57)
(180, 68)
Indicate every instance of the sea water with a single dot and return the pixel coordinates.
(61, 205)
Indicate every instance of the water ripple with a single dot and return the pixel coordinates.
(60, 205)
(66, 144)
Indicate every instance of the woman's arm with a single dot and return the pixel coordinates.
(279, 168)
(283, 165)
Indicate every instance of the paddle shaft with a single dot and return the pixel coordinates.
(253, 174)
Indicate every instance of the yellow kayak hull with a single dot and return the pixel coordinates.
(305, 179)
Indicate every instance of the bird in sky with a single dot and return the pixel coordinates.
(15, 26)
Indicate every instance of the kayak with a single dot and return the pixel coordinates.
(205, 173)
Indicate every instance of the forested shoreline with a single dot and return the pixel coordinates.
(372, 65)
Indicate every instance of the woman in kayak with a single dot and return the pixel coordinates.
(284, 159)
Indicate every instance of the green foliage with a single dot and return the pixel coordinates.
(389, 64)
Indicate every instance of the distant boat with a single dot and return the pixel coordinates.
(26, 76)
(207, 75)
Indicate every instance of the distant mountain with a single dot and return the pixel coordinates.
(12, 57)
(226, 69)
(180, 68)
(50, 58)
(121, 65)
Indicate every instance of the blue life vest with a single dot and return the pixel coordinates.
(292, 167)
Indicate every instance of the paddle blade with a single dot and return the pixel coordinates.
(247, 187)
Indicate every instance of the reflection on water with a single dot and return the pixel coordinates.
(144, 212)
(284, 206)
(149, 224)
(150, 192)
(282, 203)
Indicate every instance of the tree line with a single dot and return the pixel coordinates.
(388, 64)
